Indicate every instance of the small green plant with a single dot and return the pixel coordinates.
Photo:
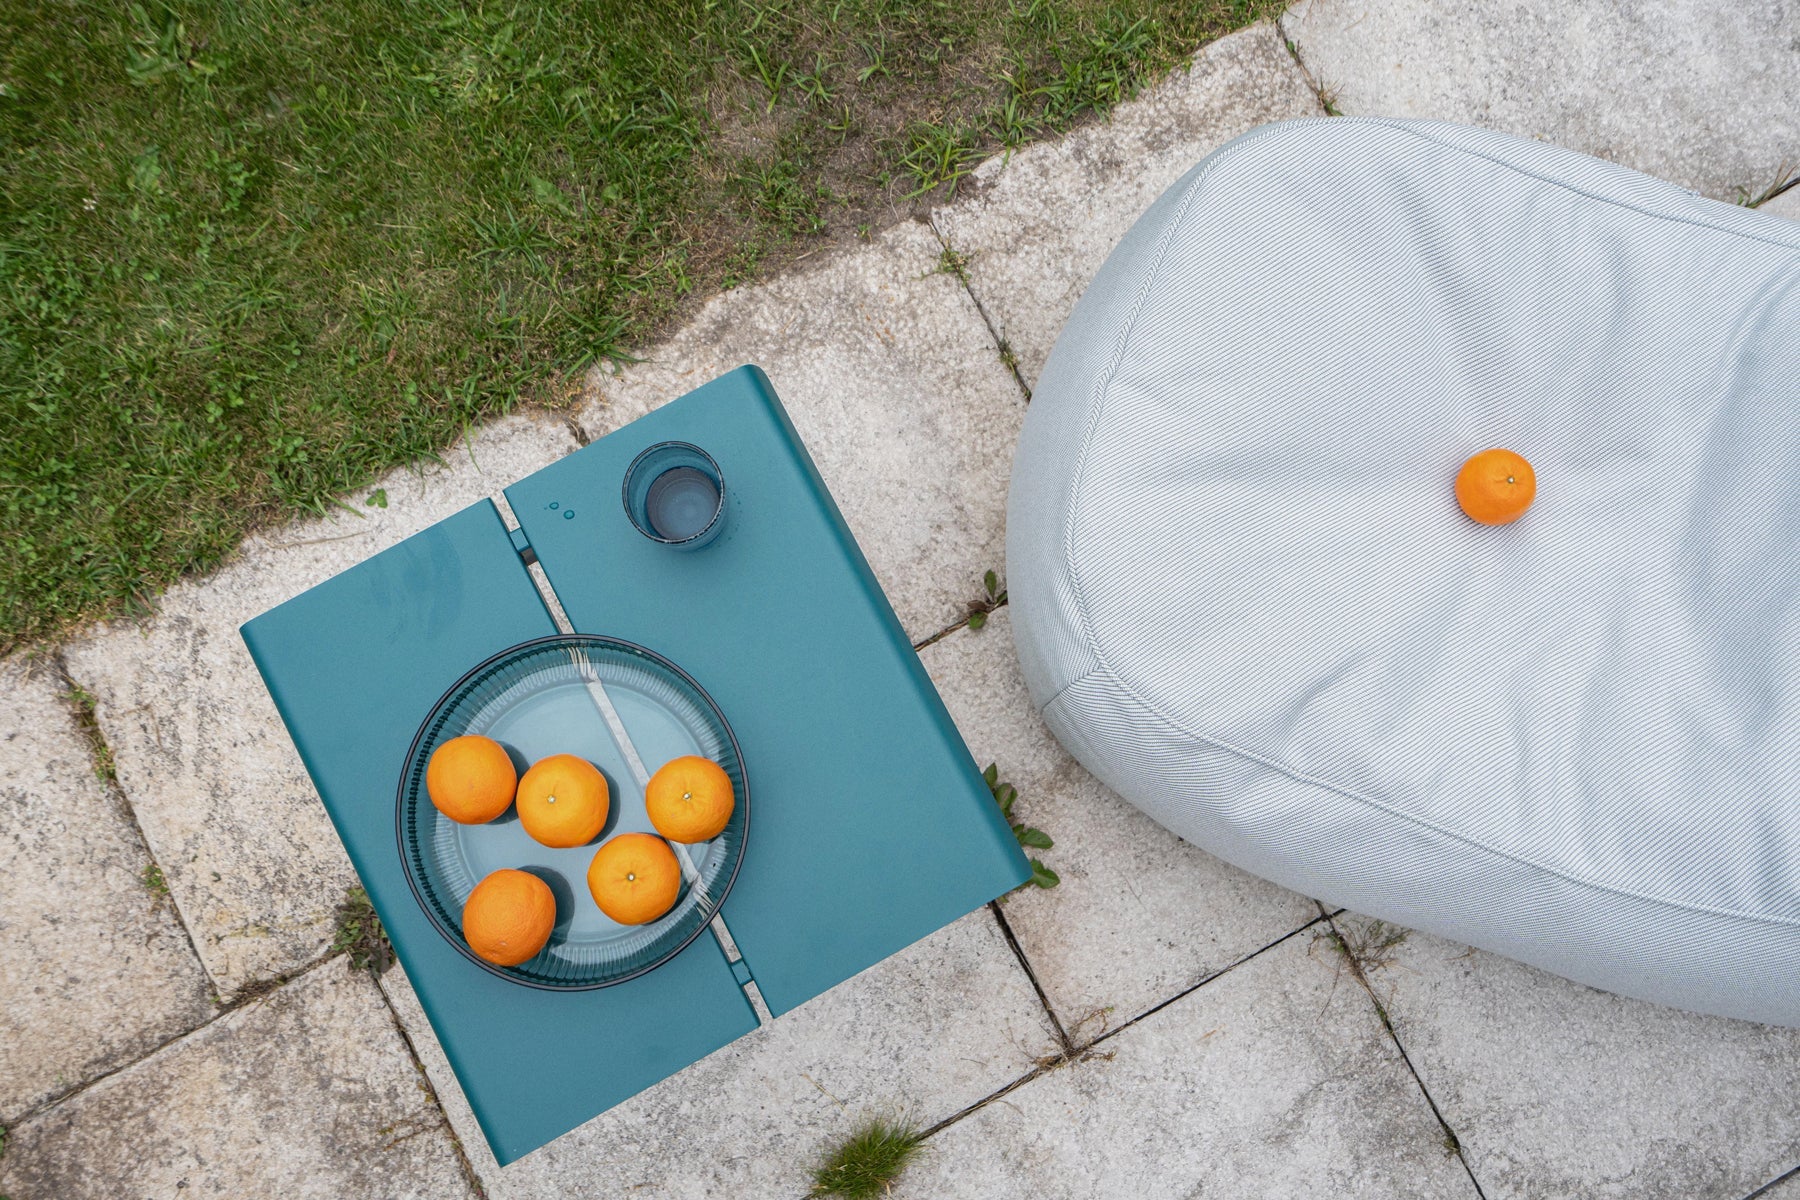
(868, 1163)
(875, 50)
(938, 154)
(156, 49)
(843, 124)
(778, 195)
(1005, 794)
(769, 71)
(814, 85)
(1014, 118)
(1786, 179)
(1371, 947)
(154, 882)
(1364, 949)
(377, 498)
(993, 596)
(954, 262)
(1008, 358)
(359, 933)
(1098, 69)
(742, 264)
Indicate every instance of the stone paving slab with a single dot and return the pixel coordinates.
(1693, 91)
(202, 756)
(306, 1093)
(1561, 1090)
(919, 1037)
(1276, 1079)
(97, 969)
(1039, 224)
(897, 388)
(1140, 915)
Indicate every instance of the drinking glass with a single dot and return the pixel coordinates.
(675, 494)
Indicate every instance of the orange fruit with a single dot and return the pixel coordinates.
(563, 801)
(508, 917)
(689, 799)
(634, 878)
(470, 779)
(1495, 487)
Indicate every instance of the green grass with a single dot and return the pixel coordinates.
(870, 1160)
(253, 254)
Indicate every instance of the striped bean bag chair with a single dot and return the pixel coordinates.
(1245, 596)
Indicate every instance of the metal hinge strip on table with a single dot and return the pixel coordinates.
(740, 969)
(522, 544)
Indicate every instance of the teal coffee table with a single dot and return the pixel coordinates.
(870, 825)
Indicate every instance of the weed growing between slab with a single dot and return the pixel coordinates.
(955, 264)
(1029, 838)
(154, 883)
(1010, 360)
(1369, 945)
(1326, 92)
(359, 933)
(1079, 1041)
(1370, 948)
(1365, 949)
(866, 1165)
(1786, 179)
(992, 596)
(87, 718)
(257, 254)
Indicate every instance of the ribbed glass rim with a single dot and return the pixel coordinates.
(411, 790)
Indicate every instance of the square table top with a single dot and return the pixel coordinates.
(872, 826)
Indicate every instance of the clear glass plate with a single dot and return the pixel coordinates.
(628, 711)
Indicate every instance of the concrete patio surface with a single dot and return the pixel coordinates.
(252, 863)
(85, 925)
(1695, 92)
(306, 1092)
(174, 1021)
(1276, 1080)
(1556, 1089)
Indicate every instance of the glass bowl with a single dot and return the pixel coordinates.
(625, 709)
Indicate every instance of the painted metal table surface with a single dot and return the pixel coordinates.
(871, 827)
